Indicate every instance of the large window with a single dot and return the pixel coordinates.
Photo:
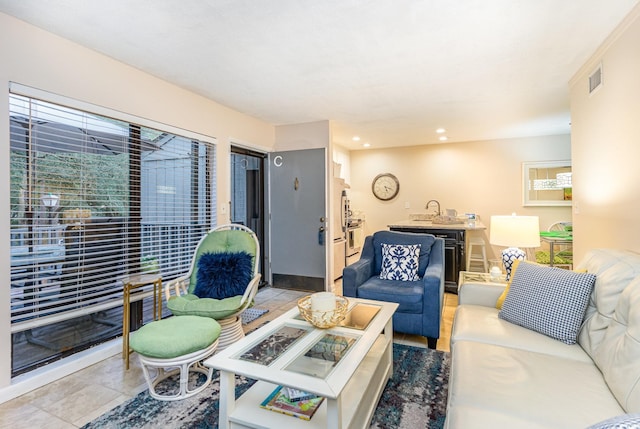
(94, 199)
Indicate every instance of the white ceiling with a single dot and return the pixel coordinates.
(390, 71)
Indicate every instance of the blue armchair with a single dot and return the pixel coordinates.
(420, 301)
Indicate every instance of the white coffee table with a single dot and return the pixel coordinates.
(279, 353)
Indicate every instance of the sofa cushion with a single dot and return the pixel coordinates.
(482, 324)
(548, 300)
(618, 355)
(496, 387)
(614, 270)
(407, 294)
(400, 262)
(611, 329)
(393, 237)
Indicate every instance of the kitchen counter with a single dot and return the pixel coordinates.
(455, 237)
(427, 224)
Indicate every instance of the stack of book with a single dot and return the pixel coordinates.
(293, 402)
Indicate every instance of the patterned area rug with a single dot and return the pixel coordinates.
(415, 397)
(251, 314)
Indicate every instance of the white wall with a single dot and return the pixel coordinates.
(606, 144)
(482, 177)
(39, 59)
(310, 135)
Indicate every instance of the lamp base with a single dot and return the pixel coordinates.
(509, 256)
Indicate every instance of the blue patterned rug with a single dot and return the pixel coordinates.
(415, 397)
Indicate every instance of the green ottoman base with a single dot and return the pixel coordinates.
(176, 345)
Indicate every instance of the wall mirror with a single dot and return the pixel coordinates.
(546, 183)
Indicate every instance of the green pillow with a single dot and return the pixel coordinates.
(206, 307)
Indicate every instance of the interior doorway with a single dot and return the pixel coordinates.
(247, 205)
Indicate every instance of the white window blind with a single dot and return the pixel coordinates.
(93, 200)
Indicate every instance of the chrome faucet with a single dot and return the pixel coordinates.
(433, 201)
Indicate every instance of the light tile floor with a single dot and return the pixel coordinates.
(81, 397)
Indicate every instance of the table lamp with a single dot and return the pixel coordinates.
(514, 232)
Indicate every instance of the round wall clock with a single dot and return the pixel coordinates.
(385, 186)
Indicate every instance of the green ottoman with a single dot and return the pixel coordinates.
(181, 343)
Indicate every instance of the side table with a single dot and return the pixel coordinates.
(476, 277)
(131, 283)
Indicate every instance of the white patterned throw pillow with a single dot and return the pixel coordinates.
(400, 262)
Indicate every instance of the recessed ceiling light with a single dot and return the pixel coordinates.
(356, 138)
(440, 130)
(443, 138)
(366, 144)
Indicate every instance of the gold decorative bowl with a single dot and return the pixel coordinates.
(323, 319)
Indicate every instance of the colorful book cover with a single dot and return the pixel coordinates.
(277, 401)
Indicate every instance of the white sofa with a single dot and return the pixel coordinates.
(507, 376)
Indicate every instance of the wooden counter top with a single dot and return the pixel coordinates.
(427, 224)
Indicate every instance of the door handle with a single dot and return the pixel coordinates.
(321, 233)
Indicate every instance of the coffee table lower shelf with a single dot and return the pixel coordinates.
(358, 399)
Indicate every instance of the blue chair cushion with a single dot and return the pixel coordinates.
(223, 274)
(392, 237)
(407, 294)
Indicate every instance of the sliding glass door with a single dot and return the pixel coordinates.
(93, 200)
(247, 193)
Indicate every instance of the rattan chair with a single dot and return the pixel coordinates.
(181, 294)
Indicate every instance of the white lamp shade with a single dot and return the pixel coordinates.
(515, 231)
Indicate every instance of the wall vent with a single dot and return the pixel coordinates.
(595, 79)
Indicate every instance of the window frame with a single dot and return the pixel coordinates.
(203, 196)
